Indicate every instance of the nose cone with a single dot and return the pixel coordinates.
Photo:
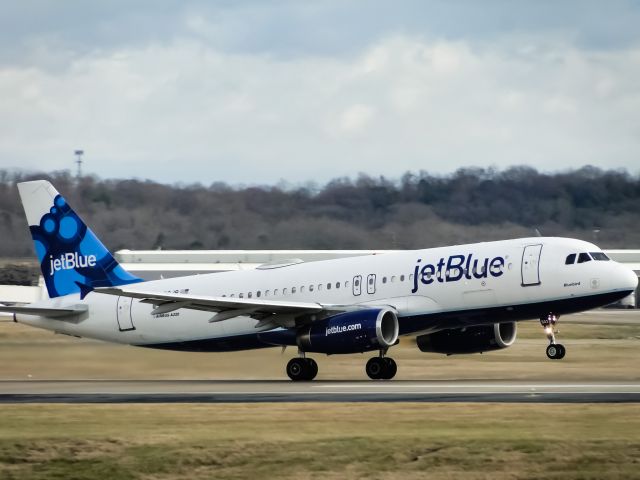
(627, 278)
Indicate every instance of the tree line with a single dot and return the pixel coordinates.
(418, 210)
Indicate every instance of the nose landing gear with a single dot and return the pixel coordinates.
(555, 351)
(381, 368)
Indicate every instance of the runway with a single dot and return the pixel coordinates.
(216, 391)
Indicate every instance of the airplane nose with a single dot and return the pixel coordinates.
(628, 279)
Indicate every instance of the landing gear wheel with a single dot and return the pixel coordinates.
(300, 369)
(556, 351)
(296, 369)
(375, 368)
(312, 368)
(391, 368)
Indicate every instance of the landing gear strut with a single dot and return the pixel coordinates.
(381, 368)
(555, 351)
(302, 368)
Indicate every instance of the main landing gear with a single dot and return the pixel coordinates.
(381, 368)
(306, 369)
(555, 351)
(302, 368)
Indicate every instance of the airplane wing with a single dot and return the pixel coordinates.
(223, 307)
(51, 312)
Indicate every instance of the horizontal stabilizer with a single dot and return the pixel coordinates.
(50, 312)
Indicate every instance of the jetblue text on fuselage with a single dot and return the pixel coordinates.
(455, 268)
(69, 261)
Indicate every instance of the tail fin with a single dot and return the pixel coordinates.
(72, 259)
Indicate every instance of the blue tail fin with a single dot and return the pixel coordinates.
(72, 259)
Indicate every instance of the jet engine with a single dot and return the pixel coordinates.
(351, 332)
(483, 338)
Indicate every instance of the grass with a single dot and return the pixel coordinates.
(600, 345)
(324, 441)
(374, 441)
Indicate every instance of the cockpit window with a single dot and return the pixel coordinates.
(584, 257)
(570, 259)
(600, 256)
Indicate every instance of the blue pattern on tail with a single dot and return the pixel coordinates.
(71, 257)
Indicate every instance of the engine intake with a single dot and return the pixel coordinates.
(351, 332)
(484, 338)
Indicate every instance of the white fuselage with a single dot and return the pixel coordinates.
(522, 278)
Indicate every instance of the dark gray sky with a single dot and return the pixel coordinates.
(255, 92)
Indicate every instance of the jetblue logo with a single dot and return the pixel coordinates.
(70, 261)
(455, 268)
(342, 329)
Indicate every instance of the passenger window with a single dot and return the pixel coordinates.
(402, 278)
(393, 278)
(266, 293)
(311, 288)
(411, 276)
(284, 291)
(599, 256)
(241, 295)
(319, 286)
(384, 279)
(328, 286)
(293, 289)
(232, 295)
(584, 257)
(258, 293)
(302, 289)
(275, 291)
(249, 295)
(346, 284)
(337, 284)
(571, 259)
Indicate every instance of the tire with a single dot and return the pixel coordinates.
(553, 351)
(312, 368)
(375, 368)
(297, 369)
(391, 368)
(561, 351)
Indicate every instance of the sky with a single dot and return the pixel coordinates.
(260, 92)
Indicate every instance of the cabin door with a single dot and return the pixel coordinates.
(125, 322)
(531, 265)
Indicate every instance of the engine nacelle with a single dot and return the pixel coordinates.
(351, 332)
(484, 338)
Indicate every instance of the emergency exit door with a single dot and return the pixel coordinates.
(531, 265)
(357, 285)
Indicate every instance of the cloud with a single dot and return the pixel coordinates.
(201, 104)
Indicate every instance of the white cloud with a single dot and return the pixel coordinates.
(355, 118)
(186, 111)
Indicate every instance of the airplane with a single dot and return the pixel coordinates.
(458, 299)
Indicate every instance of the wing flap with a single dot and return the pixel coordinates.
(167, 301)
